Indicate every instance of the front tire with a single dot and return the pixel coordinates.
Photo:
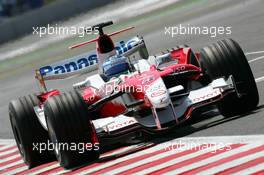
(69, 124)
(27, 131)
(226, 58)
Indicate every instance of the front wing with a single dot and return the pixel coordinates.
(184, 106)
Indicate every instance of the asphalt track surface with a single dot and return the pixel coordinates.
(246, 19)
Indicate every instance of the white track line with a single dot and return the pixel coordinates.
(232, 163)
(214, 158)
(10, 158)
(11, 165)
(260, 79)
(6, 147)
(123, 150)
(16, 171)
(157, 157)
(251, 170)
(252, 53)
(122, 159)
(43, 170)
(7, 142)
(256, 59)
(221, 139)
(8, 152)
(197, 140)
(61, 172)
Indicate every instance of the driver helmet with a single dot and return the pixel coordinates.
(115, 66)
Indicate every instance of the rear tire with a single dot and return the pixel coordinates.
(226, 58)
(69, 124)
(27, 131)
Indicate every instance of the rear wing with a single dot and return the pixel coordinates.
(86, 62)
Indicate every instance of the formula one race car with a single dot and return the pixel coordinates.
(133, 95)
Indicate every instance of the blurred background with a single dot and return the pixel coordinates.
(9, 8)
(17, 17)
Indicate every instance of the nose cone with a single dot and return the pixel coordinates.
(159, 99)
(158, 94)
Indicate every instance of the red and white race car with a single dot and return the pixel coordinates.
(133, 95)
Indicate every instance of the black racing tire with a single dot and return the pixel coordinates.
(28, 131)
(69, 124)
(226, 58)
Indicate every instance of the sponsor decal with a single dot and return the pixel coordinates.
(148, 80)
(206, 96)
(71, 66)
(81, 62)
(116, 125)
(156, 87)
(158, 93)
(123, 47)
(180, 69)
